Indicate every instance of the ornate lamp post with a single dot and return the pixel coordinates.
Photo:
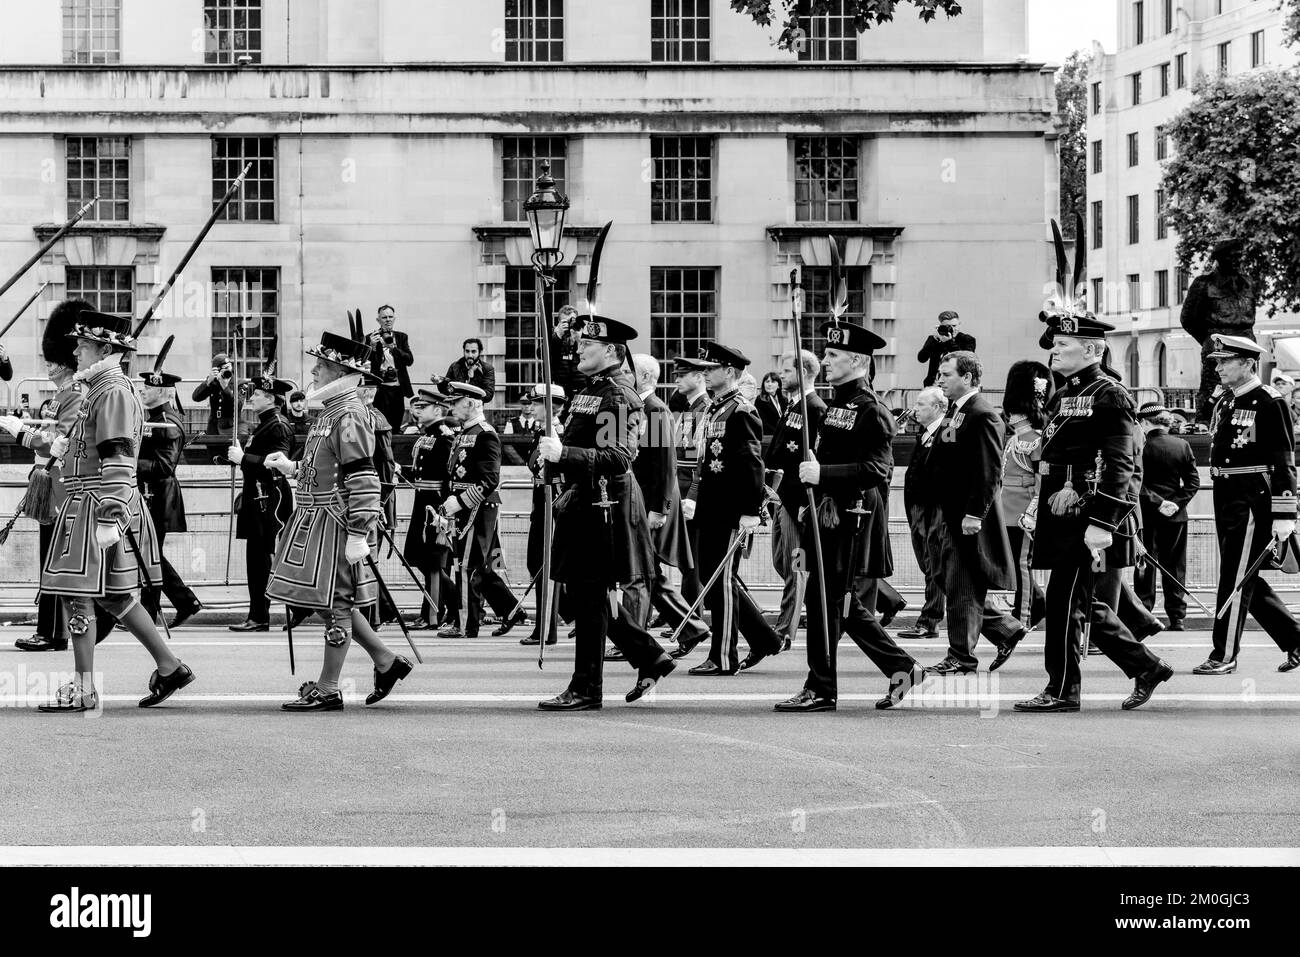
(546, 209)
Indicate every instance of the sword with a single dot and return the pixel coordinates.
(520, 604)
(383, 590)
(144, 572)
(1146, 556)
(1098, 566)
(1254, 567)
(717, 573)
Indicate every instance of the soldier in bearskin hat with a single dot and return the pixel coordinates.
(323, 560)
(104, 540)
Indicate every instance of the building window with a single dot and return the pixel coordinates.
(1162, 143)
(523, 364)
(1139, 19)
(1096, 224)
(1135, 88)
(1223, 56)
(1167, 17)
(1134, 291)
(1096, 303)
(682, 191)
(534, 31)
(109, 289)
(1256, 49)
(1160, 358)
(245, 315)
(233, 31)
(1162, 222)
(827, 37)
(1184, 281)
(1096, 98)
(1132, 149)
(679, 31)
(521, 164)
(100, 166)
(1162, 288)
(92, 31)
(826, 179)
(683, 312)
(818, 298)
(1164, 79)
(255, 202)
(1096, 156)
(1134, 363)
(1180, 71)
(1132, 219)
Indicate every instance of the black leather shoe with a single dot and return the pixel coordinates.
(898, 690)
(40, 643)
(685, 647)
(184, 616)
(1176, 624)
(1045, 703)
(1005, 651)
(249, 625)
(949, 666)
(505, 626)
(1148, 631)
(311, 698)
(420, 624)
(659, 670)
(1292, 661)
(888, 617)
(386, 680)
(568, 701)
(753, 658)
(1146, 684)
(532, 640)
(805, 702)
(709, 669)
(916, 634)
(161, 688)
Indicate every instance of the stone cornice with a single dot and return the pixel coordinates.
(145, 232)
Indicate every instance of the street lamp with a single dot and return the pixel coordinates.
(546, 209)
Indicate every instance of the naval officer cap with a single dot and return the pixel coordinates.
(463, 390)
(1235, 347)
(601, 329)
(538, 392)
(713, 354)
(847, 337)
(425, 397)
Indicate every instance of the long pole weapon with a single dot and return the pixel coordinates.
(49, 243)
(810, 510)
(23, 308)
(1145, 555)
(234, 440)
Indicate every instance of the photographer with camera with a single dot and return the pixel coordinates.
(391, 356)
(473, 369)
(947, 338)
(564, 351)
(218, 390)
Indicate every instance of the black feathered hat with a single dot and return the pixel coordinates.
(56, 346)
(158, 378)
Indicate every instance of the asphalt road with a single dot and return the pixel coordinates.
(459, 756)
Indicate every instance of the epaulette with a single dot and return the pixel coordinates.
(1271, 392)
(744, 405)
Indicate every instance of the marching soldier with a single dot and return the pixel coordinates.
(104, 541)
(45, 489)
(160, 453)
(853, 461)
(540, 478)
(266, 501)
(323, 560)
(1252, 465)
(602, 543)
(426, 546)
(724, 502)
(690, 404)
(1085, 527)
(474, 472)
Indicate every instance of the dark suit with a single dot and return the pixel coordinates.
(160, 452)
(391, 358)
(1169, 475)
(264, 507)
(917, 484)
(967, 465)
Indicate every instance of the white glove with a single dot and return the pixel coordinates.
(357, 549)
(970, 525)
(1283, 528)
(748, 523)
(280, 462)
(11, 424)
(106, 536)
(688, 508)
(1167, 509)
(58, 447)
(810, 472)
(451, 506)
(235, 454)
(656, 520)
(1096, 538)
(549, 448)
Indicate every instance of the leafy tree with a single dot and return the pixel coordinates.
(865, 13)
(1291, 21)
(1235, 173)
(1072, 107)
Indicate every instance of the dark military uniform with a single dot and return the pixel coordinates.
(729, 485)
(424, 547)
(1252, 465)
(1089, 445)
(785, 452)
(160, 453)
(264, 507)
(1169, 475)
(688, 428)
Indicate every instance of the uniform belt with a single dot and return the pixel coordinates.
(318, 498)
(1020, 481)
(462, 486)
(1217, 472)
(74, 484)
(1063, 468)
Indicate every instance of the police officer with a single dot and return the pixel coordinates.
(1252, 465)
(602, 542)
(852, 462)
(266, 501)
(1085, 524)
(1169, 482)
(725, 501)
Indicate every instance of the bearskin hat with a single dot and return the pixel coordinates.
(56, 346)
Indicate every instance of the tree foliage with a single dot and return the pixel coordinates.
(1072, 108)
(1235, 173)
(1291, 21)
(865, 13)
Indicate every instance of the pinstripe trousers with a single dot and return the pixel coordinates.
(732, 609)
